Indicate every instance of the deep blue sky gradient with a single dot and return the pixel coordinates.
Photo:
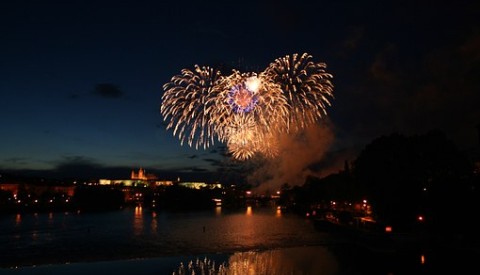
(81, 81)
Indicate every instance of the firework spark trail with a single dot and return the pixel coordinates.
(247, 111)
(306, 85)
(188, 104)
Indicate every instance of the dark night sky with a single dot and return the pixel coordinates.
(81, 81)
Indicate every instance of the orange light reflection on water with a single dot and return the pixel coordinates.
(18, 219)
(50, 218)
(138, 221)
(278, 213)
(310, 260)
(154, 224)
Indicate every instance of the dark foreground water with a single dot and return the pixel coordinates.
(250, 241)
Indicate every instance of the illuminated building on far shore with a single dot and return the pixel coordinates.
(137, 179)
(142, 179)
(139, 182)
(37, 189)
(199, 185)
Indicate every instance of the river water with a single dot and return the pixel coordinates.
(141, 241)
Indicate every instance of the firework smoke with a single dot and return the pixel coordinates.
(296, 154)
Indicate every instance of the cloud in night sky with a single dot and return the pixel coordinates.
(107, 90)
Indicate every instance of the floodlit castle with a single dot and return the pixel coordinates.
(137, 179)
(142, 175)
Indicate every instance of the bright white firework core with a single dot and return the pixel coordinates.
(253, 84)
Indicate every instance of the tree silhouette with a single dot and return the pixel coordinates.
(409, 176)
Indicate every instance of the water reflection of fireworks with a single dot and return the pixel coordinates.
(294, 260)
(205, 266)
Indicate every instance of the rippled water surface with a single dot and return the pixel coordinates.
(141, 241)
(29, 239)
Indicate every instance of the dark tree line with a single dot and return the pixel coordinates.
(404, 177)
(407, 176)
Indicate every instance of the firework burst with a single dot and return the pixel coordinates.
(306, 85)
(188, 103)
(247, 111)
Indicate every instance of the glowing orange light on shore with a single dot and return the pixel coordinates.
(388, 229)
(138, 211)
(420, 218)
